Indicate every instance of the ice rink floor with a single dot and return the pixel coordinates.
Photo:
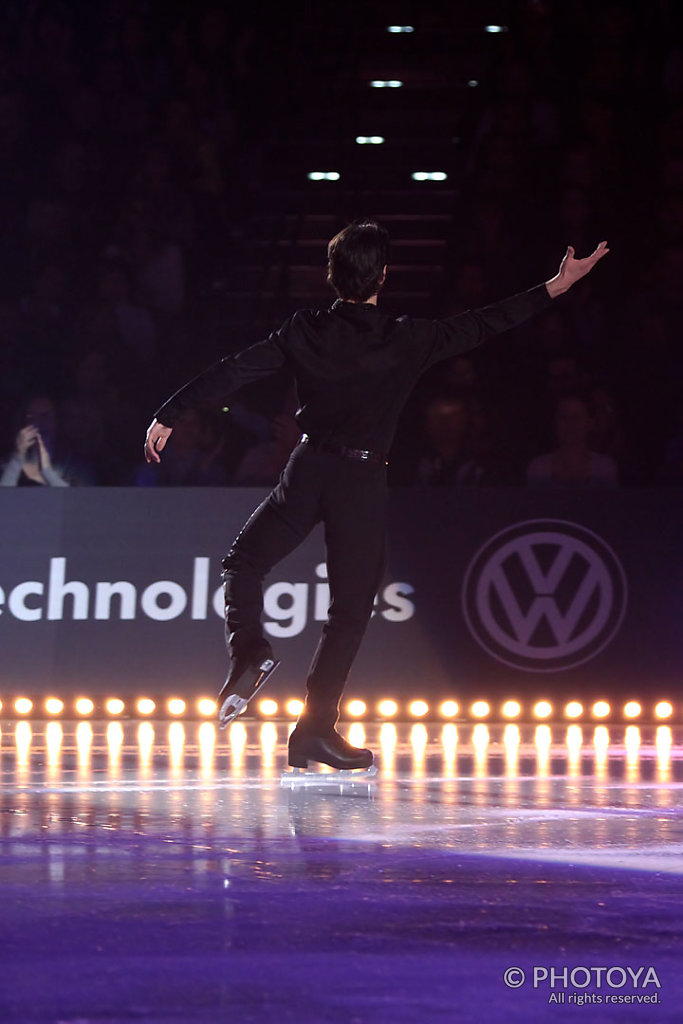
(162, 872)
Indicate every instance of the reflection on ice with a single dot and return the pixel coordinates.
(207, 743)
(449, 741)
(176, 746)
(356, 734)
(480, 741)
(543, 741)
(53, 742)
(145, 742)
(488, 789)
(22, 736)
(84, 736)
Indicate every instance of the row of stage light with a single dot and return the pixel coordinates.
(175, 741)
(478, 710)
(395, 83)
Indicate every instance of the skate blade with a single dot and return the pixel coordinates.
(234, 705)
(333, 777)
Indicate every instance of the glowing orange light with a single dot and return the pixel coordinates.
(511, 709)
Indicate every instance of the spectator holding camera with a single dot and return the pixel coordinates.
(30, 464)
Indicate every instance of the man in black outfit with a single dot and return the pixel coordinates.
(354, 369)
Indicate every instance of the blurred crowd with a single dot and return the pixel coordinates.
(133, 133)
(578, 138)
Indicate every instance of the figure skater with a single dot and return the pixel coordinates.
(354, 368)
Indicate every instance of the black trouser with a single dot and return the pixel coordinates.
(349, 497)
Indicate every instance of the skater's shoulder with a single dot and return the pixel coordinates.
(301, 317)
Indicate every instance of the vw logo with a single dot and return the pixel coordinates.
(544, 595)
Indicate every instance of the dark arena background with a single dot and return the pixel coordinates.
(170, 175)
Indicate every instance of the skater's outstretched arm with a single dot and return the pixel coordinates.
(445, 338)
(214, 385)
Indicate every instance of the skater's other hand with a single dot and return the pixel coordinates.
(155, 441)
(572, 269)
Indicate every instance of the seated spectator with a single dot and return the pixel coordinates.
(606, 434)
(446, 459)
(262, 464)
(155, 258)
(34, 331)
(563, 376)
(461, 377)
(115, 322)
(97, 408)
(84, 437)
(30, 464)
(191, 461)
(572, 464)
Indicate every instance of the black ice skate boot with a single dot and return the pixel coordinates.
(249, 671)
(325, 746)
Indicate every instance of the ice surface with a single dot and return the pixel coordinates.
(162, 872)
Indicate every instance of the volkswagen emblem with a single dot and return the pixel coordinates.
(544, 595)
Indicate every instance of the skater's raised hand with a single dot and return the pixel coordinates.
(155, 441)
(572, 270)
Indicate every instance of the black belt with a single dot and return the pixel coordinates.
(341, 449)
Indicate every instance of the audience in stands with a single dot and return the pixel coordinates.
(262, 464)
(132, 140)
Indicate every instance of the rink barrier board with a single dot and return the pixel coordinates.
(487, 593)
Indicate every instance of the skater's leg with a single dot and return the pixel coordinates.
(354, 514)
(274, 530)
(280, 523)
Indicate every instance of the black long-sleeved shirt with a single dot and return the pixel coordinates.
(354, 366)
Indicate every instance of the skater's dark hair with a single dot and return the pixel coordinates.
(356, 258)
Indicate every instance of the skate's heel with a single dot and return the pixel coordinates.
(297, 761)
